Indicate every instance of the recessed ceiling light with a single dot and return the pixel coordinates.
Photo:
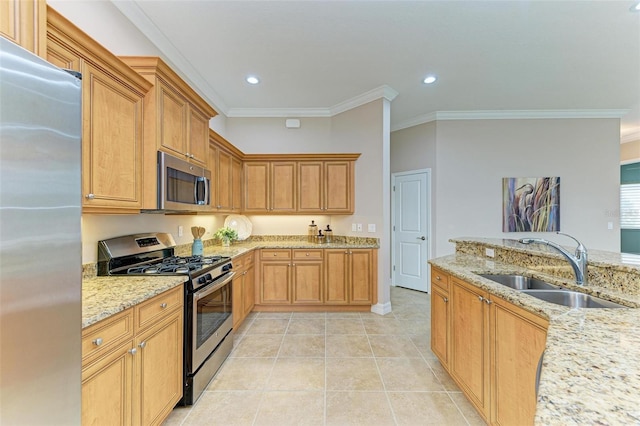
(429, 79)
(635, 7)
(252, 79)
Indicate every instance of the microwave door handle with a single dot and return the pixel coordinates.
(216, 285)
(205, 182)
(195, 190)
(200, 180)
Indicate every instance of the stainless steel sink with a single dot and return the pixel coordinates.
(572, 299)
(519, 282)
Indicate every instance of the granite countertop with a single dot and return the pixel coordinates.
(591, 367)
(107, 295)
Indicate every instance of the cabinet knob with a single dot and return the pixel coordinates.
(275, 254)
(480, 298)
(90, 196)
(163, 305)
(487, 301)
(133, 351)
(346, 252)
(445, 299)
(307, 254)
(219, 206)
(186, 154)
(294, 265)
(142, 344)
(98, 341)
(438, 278)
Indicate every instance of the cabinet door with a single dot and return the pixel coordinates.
(236, 185)
(224, 181)
(440, 324)
(310, 187)
(256, 192)
(237, 291)
(107, 388)
(283, 187)
(275, 276)
(335, 276)
(173, 121)
(470, 343)
(249, 290)
(338, 189)
(24, 23)
(307, 282)
(197, 137)
(111, 141)
(518, 340)
(361, 277)
(159, 363)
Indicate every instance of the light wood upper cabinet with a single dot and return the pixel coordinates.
(226, 170)
(112, 105)
(24, 22)
(326, 187)
(176, 121)
(490, 347)
(270, 187)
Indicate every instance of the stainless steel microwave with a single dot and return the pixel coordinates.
(182, 186)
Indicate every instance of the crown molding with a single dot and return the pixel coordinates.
(384, 92)
(511, 115)
(189, 73)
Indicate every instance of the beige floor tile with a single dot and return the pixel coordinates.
(345, 326)
(177, 416)
(383, 326)
(345, 374)
(371, 315)
(273, 315)
(297, 374)
(343, 315)
(416, 327)
(413, 312)
(306, 326)
(258, 345)
(407, 374)
(242, 374)
(299, 408)
(347, 345)
(308, 315)
(268, 326)
(425, 408)
(393, 346)
(224, 408)
(243, 327)
(302, 345)
(358, 408)
(470, 413)
(443, 376)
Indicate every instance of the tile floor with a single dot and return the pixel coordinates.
(333, 369)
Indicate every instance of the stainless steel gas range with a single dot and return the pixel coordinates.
(208, 322)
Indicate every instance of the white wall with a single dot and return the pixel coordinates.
(473, 156)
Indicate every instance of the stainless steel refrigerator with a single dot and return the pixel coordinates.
(40, 242)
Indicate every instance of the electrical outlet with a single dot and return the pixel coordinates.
(609, 225)
(180, 231)
(359, 227)
(371, 227)
(489, 252)
(354, 227)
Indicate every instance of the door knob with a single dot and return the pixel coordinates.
(421, 238)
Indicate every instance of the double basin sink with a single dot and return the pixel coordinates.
(550, 292)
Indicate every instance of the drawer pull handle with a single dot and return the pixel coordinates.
(163, 305)
(98, 341)
(133, 351)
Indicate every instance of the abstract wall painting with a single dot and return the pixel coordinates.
(531, 204)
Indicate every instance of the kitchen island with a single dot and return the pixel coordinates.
(590, 373)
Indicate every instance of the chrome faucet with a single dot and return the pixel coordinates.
(578, 261)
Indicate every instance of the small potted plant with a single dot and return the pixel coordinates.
(226, 235)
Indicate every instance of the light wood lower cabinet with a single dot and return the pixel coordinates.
(316, 278)
(490, 347)
(132, 363)
(243, 288)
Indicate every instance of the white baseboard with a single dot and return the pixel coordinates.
(381, 309)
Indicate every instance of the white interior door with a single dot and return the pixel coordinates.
(411, 230)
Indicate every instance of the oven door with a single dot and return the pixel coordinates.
(212, 318)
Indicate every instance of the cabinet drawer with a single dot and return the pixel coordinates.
(153, 309)
(440, 279)
(307, 254)
(275, 254)
(249, 259)
(105, 335)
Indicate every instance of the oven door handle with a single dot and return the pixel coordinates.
(215, 286)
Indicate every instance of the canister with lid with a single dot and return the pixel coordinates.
(313, 232)
(328, 234)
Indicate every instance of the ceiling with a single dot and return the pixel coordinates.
(315, 58)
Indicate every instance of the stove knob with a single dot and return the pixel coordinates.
(202, 280)
(209, 278)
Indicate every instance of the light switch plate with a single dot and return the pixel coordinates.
(180, 231)
(354, 227)
(359, 227)
(371, 227)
